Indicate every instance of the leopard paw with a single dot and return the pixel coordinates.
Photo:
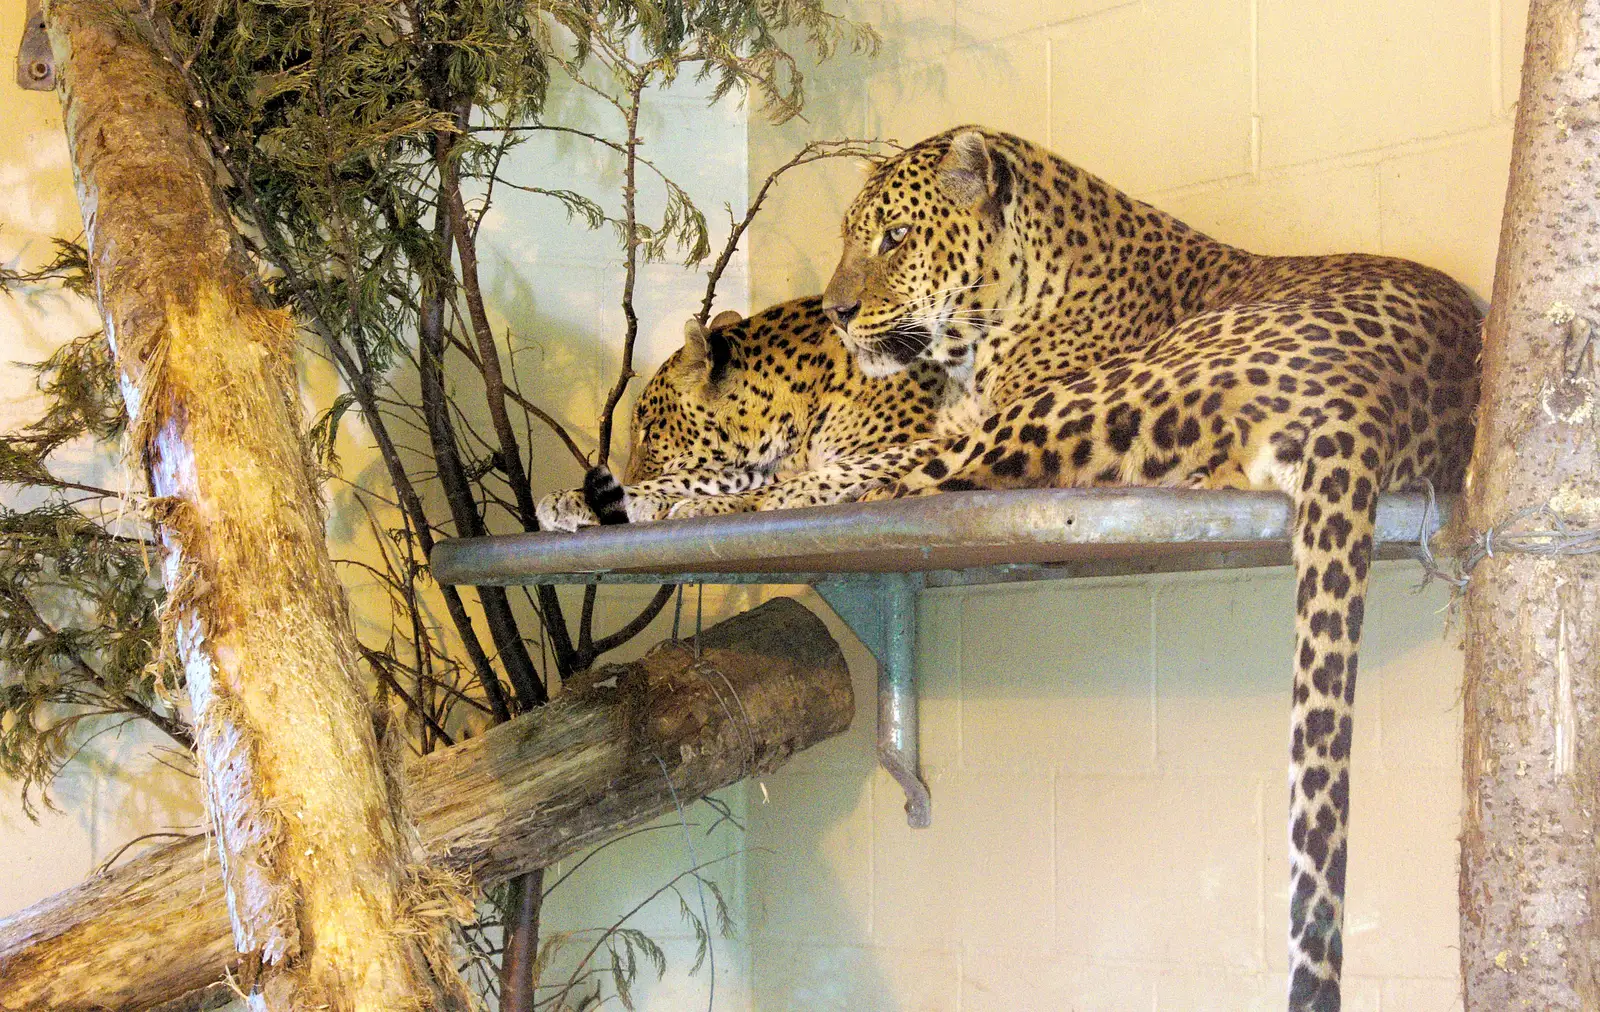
(565, 511)
(644, 507)
(888, 490)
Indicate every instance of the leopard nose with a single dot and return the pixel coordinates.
(841, 315)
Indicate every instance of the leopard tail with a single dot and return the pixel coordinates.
(605, 496)
(1335, 510)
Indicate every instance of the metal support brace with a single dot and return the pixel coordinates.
(883, 613)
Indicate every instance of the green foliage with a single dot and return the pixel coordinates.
(79, 622)
(331, 116)
(78, 635)
(69, 268)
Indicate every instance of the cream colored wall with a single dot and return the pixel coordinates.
(1107, 758)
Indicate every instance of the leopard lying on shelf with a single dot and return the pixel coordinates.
(1100, 341)
(759, 414)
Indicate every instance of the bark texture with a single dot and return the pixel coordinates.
(316, 856)
(1530, 865)
(521, 796)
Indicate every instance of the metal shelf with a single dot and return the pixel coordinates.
(869, 560)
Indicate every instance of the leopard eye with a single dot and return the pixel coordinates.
(892, 238)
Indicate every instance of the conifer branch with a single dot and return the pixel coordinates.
(121, 699)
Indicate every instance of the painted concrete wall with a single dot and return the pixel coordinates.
(1107, 758)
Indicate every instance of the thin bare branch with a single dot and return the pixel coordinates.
(531, 408)
(638, 623)
(630, 195)
(815, 151)
(380, 663)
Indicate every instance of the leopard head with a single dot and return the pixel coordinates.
(926, 254)
(688, 414)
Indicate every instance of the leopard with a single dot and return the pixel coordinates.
(1098, 341)
(769, 412)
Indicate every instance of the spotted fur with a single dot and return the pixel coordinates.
(766, 413)
(1100, 341)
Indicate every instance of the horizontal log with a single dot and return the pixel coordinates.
(765, 685)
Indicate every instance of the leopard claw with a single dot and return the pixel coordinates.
(891, 490)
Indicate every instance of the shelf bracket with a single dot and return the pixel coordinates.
(882, 611)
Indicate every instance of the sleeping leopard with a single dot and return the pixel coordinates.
(766, 413)
(1099, 341)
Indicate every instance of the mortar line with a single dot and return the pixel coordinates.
(961, 975)
(958, 657)
(1055, 860)
(1159, 584)
(872, 857)
(1377, 200)
(1261, 875)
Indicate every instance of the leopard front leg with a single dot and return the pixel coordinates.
(955, 465)
(1046, 441)
(851, 478)
(841, 480)
(715, 505)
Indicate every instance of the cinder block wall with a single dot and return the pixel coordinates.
(1107, 757)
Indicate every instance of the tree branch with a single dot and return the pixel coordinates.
(816, 151)
(488, 362)
(528, 406)
(637, 625)
(380, 664)
(436, 409)
(630, 193)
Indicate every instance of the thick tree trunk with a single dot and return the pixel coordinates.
(316, 856)
(521, 796)
(1530, 862)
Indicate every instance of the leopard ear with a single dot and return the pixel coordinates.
(726, 318)
(696, 354)
(705, 353)
(964, 173)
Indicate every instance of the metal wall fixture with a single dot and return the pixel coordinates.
(36, 63)
(870, 562)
